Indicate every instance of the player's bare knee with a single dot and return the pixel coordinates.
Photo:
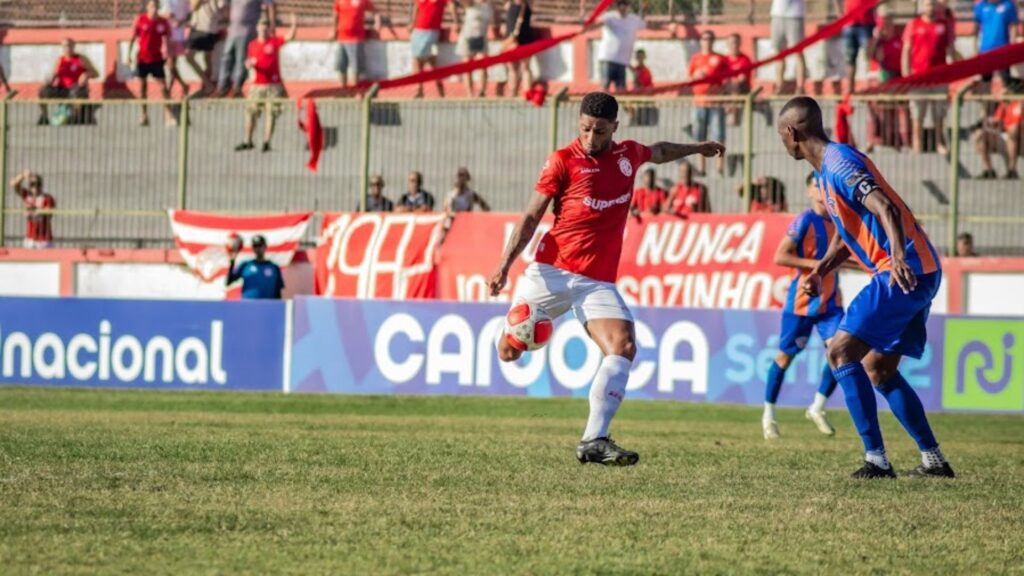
(782, 360)
(626, 348)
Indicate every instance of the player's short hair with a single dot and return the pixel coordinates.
(810, 178)
(809, 112)
(600, 105)
(259, 240)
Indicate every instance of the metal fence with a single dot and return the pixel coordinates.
(114, 180)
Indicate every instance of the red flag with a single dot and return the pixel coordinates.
(841, 134)
(314, 132)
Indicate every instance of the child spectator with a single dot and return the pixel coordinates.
(642, 78)
(38, 227)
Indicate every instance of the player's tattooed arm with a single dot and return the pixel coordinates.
(520, 239)
(889, 215)
(663, 152)
(836, 254)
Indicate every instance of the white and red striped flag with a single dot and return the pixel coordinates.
(203, 238)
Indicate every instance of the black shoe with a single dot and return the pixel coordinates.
(987, 175)
(1012, 175)
(869, 472)
(243, 146)
(42, 121)
(266, 147)
(605, 451)
(942, 471)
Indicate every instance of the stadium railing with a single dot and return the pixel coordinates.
(114, 181)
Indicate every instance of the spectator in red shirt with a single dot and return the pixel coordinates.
(152, 32)
(69, 79)
(264, 59)
(688, 196)
(642, 78)
(350, 34)
(1003, 134)
(518, 32)
(704, 64)
(740, 84)
(38, 228)
(768, 196)
(650, 199)
(856, 35)
(888, 121)
(424, 35)
(926, 44)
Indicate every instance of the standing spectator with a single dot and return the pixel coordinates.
(6, 86)
(264, 58)
(688, 196)
(462, 198)
(995, 20)
(888, 121)
(1003, 133)
(242, 20)
(704, 64)
(177, 14)
(519, 32)
(425, 33)
(618, 36)
(787, 31)
(741, 83)
(38, 227)
(479, 16)
(856, 35)
(376, 201)
(207, 23)
(642, 78)
(416, 199)
(350, 34)
(69, 79)
(965, 246)
(650, 199)
(261, 278)
(152, 32)
(926, 44)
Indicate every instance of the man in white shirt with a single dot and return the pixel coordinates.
(615, 50)
(787, 31)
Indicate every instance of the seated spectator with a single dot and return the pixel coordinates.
(704, 64)
(927, 43)
(1003, 133)
(152, 33)
(38, 227)
(642, 78)
(478, 18)
(69, 79)
(889, 121)
(965, 246)
(649, 199)
(207, 25)
(261, 278)
(767, 196)
(688, 196)
(462, 198)
(416, 199)
(376, 201)
(264, 58)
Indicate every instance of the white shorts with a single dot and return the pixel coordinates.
(556, 291)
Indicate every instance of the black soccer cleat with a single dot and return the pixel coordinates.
(605, 451)
(942, 471)
(870, 471)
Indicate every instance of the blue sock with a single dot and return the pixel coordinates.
(907, 408)
(860, 401)
(775, 376)
(828, 382)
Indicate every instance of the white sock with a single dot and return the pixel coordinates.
(606, 394)
(878, 459)
(819, 402)
(769, 413)
(932, 458)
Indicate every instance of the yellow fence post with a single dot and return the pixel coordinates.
(748, 145)
(183, 154)
(364, 172)
(555, 105)
(954, 168)
(3, 168)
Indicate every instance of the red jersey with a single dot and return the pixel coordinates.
(841, 133)
(889, 55)
(266, 58)
(69, 70)
(865, 19)
(930, 41)
(648, 201)
(37, 226)
(739, 62)
(151, 33)
(642, 78)
(1009, 113)
(429, 14)
(758, 207)
(592, 196)
(688, 200)
(705, 65)
(352, 19)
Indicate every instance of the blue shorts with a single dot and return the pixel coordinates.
(708, 120)
(856, 37)
(423, 43)
(890, 321)
(797, 329)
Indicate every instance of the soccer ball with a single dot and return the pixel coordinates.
(527, 327)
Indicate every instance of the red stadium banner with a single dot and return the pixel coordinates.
(706, 261)
(375, 255)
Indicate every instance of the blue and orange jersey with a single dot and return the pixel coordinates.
(846, 177)
(811, 234)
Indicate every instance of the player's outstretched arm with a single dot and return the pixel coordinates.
(889, 215)
(663, 152)
(521, 237)
(836, 254)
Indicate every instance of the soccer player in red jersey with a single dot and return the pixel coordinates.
(152, 32)
(887, 319)
(591, 183)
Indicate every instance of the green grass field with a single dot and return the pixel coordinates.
(144, 482)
